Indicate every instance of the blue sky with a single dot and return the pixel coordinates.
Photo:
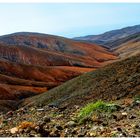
(69, 20)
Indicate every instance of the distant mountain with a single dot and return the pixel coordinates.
(110, 36)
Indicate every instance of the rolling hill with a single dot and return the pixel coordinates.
(59, 47)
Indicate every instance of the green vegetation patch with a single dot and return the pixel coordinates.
(137, 99)
(99, 106)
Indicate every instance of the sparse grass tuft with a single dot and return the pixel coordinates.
(98, 106)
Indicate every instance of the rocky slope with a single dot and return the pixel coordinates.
(55, 113)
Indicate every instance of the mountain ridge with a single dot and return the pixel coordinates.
(112, 35)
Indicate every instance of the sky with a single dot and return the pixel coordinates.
(69, 19)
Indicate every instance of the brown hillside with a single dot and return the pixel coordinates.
(57, 50)
(129, 48)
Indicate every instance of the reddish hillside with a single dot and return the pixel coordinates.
(19, 81)
(57, 50)
(28, 77)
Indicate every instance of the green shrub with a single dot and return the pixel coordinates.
(98, 106)
(137, 98)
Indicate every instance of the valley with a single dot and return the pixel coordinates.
(52, 86)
